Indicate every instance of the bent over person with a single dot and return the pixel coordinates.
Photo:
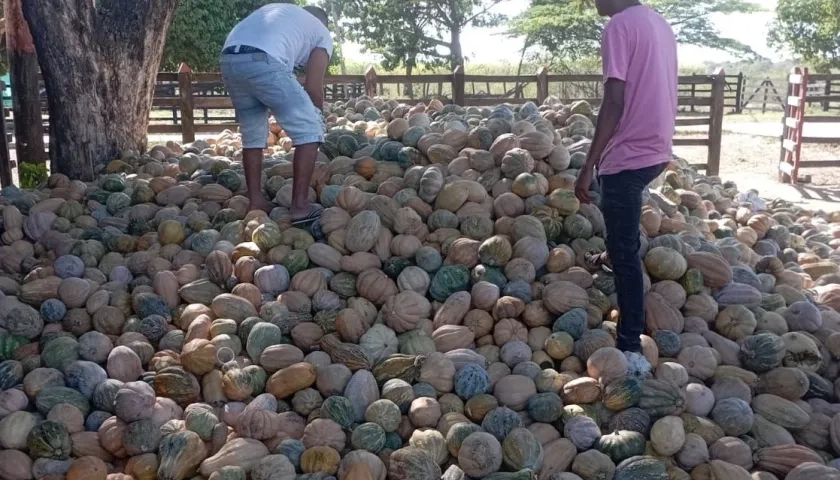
(258, 62)
(631, 147)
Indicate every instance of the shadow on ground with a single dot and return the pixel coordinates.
(818, 193)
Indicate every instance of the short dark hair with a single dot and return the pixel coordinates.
(319, 13)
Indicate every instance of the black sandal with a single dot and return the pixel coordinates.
(311, 217)
(596, 259)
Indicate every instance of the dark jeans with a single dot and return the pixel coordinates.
(621, 204)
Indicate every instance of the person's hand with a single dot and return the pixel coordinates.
(582, 184)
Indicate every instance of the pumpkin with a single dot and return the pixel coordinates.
(480, 454)
(180, 455)
(621, 445)
(733, 415)
(411, 463)
(49, 439)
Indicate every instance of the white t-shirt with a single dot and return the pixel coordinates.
(286, 32)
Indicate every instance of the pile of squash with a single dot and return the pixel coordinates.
(438, 321)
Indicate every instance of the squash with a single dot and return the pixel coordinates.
(668, 435)
(480, 454)
(640, 467)
(733, 415)
(245, 453)
(621, 445)
(411, 463)
(780, 460)
(180, 455)
(49, 439)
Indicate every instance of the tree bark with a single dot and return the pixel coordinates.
(408, 88)
(23, 75)
(100, 67)
(455, 47)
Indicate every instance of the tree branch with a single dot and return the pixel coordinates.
(482, 12)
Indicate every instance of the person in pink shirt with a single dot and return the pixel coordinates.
(631, 146)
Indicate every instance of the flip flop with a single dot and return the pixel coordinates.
(597, 259)
(311, 217)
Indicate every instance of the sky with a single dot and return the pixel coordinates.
(486, 45)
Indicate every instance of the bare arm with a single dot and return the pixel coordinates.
(610, 114)
(319, 60)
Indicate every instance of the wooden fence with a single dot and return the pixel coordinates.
(795, 119)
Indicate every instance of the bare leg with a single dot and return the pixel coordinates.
(252, 160)
(304, 166)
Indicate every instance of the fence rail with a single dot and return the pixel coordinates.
(799, 97)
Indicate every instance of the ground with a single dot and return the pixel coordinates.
(750, 152)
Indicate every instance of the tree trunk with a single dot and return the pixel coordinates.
(100, 67)
(23, 76)
(455, 49)
(409, 86)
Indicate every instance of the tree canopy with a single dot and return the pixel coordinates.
(408, 32)
(571, 29)
(810, 29)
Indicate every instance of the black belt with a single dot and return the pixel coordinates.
(232, 50)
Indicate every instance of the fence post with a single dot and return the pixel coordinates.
(739, 92)
(542, 84)
(458, 86)
(370, 82)
(827, 104)
(716, 122)
(185, 92)
(5, 158)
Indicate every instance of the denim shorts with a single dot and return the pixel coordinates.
(259, 84)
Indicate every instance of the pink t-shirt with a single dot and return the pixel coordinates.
(639, 47)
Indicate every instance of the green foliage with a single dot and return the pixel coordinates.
(571, 29)
(200, 27)
(810, 29)
(32, 174)
(411, 32)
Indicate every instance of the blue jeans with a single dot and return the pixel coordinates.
(257, 84)
(621, 204)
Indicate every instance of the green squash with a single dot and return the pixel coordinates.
(49, 439)
(577, 226)
(622, 394)
(692, 281)
(635, 468)
(621, 445)
(201, 421)
(338, 409)
(229, 179)
(368, 436)
(347, 145)
(525, 474)
(60, 352)
(394, 266)
(11, 374)
(521, 449)
(51, 396)
(141, 437)
(546, 407)
(113, 182)
(659, 398)
(296, 261)
(344, 284)
(448, 280)
(180, 455)
(257, 377)
(762, 352)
